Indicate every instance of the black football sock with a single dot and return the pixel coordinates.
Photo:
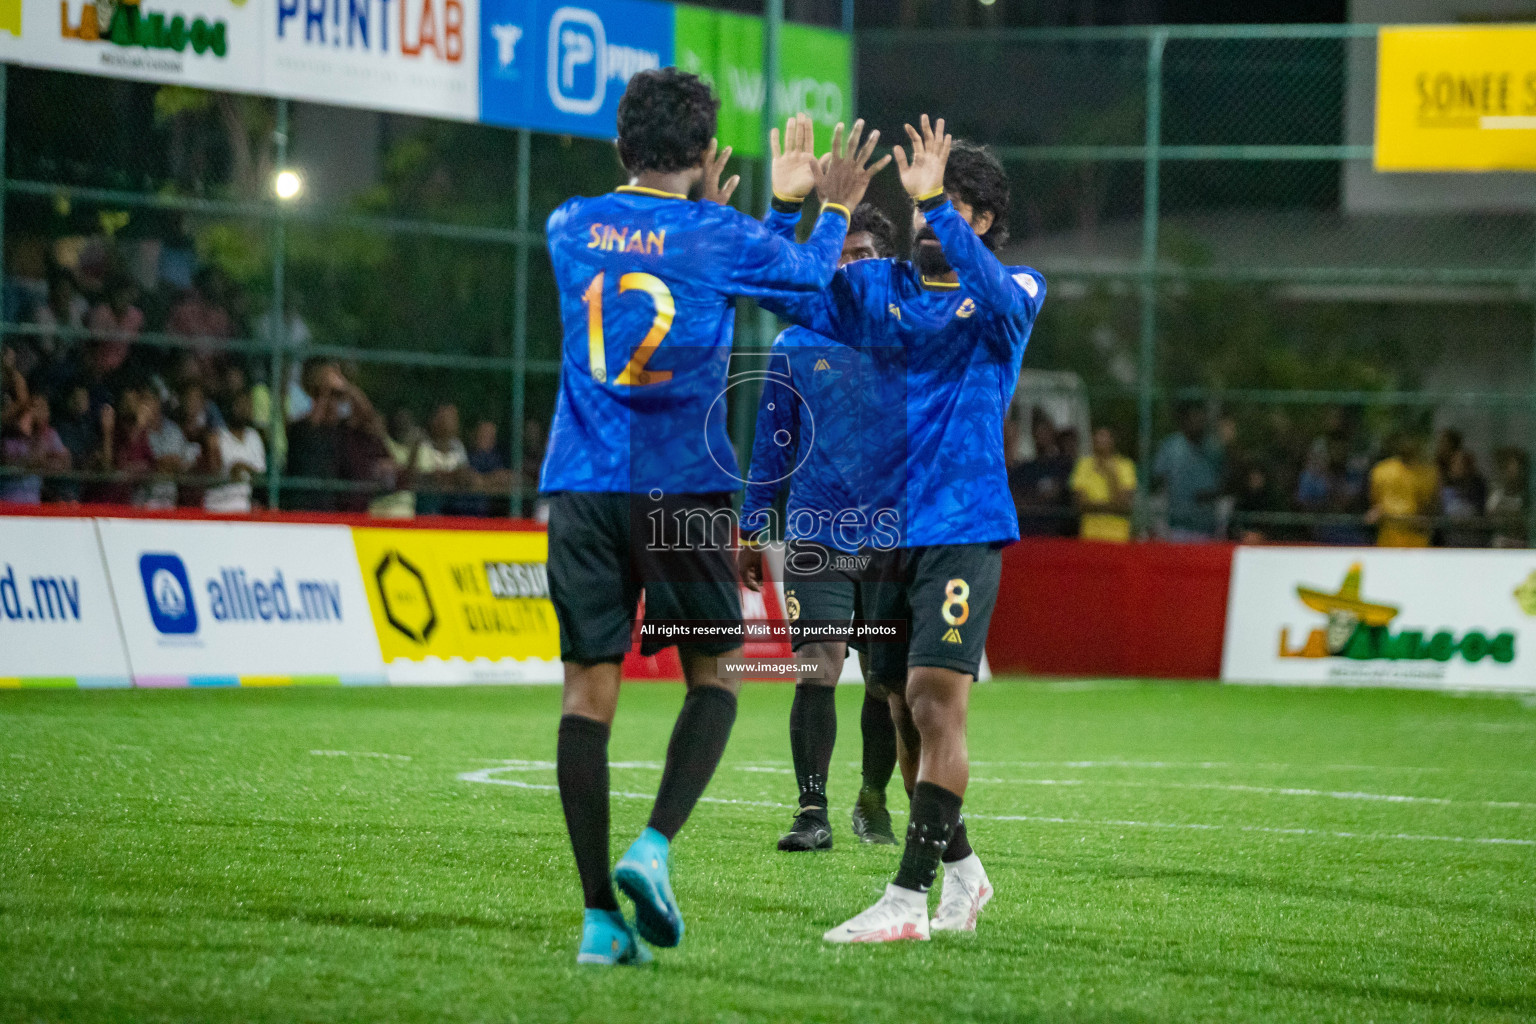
(935, 813)
(812, 732)
(698, 741)
(959, 846)
(581, 767)
(879, 743)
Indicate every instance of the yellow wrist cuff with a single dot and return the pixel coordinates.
(839, 207)
(781, 197)
(924, 198)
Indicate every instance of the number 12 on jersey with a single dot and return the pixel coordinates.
(634, 373)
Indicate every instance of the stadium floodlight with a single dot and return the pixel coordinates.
(287, 185)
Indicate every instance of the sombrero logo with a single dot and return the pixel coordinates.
(1360, 629)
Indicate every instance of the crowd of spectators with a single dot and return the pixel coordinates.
(90, 412)
(1340, 488)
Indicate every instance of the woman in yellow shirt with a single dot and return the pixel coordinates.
(1403, 492)
(1104, 485)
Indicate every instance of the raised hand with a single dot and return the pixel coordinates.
(793, 166)
(714, 166)
(843, 175)
(923, 175)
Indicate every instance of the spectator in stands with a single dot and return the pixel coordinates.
(491, 475)
(202, 314)
(1039, 485)
(1447, 446)
(1403, 493)
(340, 439)
(130, 449)
(31, 443)
(1188, 468)
(15, 395)
(1255, 494)
(85, 435)
(442, 464)
(46, 364)
(1463, 500)
(1507, 501)
(1104, 485)
(1325, 485)
(237, 453)
(115, 323)
(174, 455)
(1069, 444)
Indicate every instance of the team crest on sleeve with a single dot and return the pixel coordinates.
(895, 310)
(967, 308)
(1028, 283)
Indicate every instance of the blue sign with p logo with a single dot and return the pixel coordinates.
(562, 67)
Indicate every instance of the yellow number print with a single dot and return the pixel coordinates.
(634, 372)
(956, 594)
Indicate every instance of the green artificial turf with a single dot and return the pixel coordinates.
(1160, 852)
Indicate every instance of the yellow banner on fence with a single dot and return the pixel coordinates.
(460, 605)
(1456, 99)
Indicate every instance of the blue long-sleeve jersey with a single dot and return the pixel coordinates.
(962, 345)
(645, 281)
(825, 429)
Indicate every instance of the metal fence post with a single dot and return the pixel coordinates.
(4, 98)
(1530, 477)
(277, 417)
(745, 413)
(520, 320)
(1152, 187)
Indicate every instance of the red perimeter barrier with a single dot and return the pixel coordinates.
(1070, 607)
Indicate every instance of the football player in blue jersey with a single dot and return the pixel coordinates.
(824, 429)
(639, 469)
(961, 319)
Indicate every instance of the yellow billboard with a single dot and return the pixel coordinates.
(1456, 99)
(461, 605)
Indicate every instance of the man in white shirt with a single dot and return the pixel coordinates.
(239, 455)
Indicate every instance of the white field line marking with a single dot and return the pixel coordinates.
(1392, 798)
(360, 753)
(1264, 765)
(487, 775)
(1253, 828)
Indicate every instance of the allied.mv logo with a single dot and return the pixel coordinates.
(168, 593)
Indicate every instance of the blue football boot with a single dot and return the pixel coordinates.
(642, 876)
(607, 939)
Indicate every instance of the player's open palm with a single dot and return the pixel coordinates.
(843, 175)
(923, 174)
(794, 172)
(715, 160)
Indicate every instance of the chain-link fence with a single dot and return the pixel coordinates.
(1201, 200)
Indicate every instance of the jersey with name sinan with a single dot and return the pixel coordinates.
(963, 345)
(646, 280)
(825, 429)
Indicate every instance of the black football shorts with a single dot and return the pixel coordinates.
(606, 549)
(946, 593)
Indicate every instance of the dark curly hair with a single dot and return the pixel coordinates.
(977, 177)
(869, 218)
(666, 120)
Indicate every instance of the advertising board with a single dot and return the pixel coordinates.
(240, 604)
(461, 606)
(1421, 619)
(57, 624)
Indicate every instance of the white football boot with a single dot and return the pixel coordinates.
(900, 914)
(966, 890)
